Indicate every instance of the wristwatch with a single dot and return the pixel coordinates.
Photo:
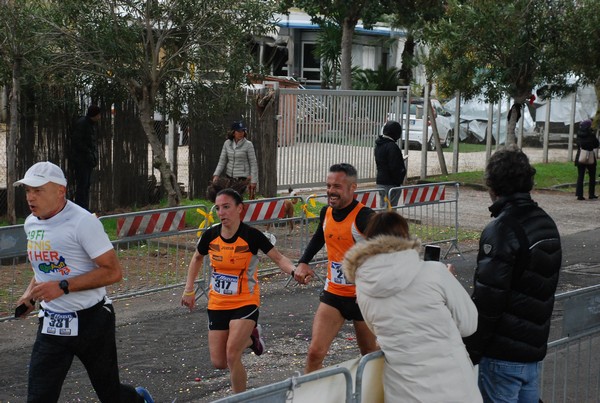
(64, 285)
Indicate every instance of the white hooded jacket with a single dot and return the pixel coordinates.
(419, 313)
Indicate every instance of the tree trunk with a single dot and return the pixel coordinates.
(513, 117)
(408, 55)
(596, 116)
(266, 108)
(436, 137)
(168, 179)
(346, 62)
(11, 146)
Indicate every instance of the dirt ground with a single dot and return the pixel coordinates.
(164, 348)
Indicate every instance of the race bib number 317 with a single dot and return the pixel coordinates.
(225, 284)
(60, 323)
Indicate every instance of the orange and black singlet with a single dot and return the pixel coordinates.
(234, 266)
(339, 230)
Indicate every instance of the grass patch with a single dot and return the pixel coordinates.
(467, 147)
(553, 175)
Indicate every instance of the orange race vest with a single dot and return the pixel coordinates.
(234, 279)
(339, 237)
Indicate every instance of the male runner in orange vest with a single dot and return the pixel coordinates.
(341, 225)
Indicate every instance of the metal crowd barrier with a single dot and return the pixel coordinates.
(363, 381)
(276, 218)
(368, 382)
(571, 370)
(155, 248)
(154, 254)
(320, 386)
(431, 210)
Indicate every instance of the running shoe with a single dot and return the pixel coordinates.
(258, 345)
(145, 394)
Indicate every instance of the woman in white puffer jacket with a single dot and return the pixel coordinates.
(419, 312)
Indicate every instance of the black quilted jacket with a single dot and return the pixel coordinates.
(586, 140)
(514, 284)
(390, 162)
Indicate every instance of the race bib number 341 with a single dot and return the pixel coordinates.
(60, 323)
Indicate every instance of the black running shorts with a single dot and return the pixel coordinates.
(219, 319)
(347, 306)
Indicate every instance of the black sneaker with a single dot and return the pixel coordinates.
(258, 345)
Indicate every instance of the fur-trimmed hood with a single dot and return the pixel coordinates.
(387, 263)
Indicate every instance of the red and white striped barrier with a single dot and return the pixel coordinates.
(424, 194)
(368, 198)
(151, 223)
(260, 211)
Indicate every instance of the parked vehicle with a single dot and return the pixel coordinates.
(415, 124)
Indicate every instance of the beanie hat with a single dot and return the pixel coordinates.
(238, 126)
(392, 129)
(585, 124)
(92, 111)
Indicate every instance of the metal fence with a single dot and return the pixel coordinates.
(277, 219)
(155, 254)
(571, 369)
(431, 211)
(343, 125)
(352, 381)
(570, 372)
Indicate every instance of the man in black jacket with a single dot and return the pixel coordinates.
(516, 277)
(390, 162)
(84, 154)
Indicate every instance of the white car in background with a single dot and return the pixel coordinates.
(415, 124)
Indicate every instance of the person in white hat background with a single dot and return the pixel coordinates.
(73, 261)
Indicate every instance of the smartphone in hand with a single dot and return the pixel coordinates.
(21, 309)
(432, 252)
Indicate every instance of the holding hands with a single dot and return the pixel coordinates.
(303, 273)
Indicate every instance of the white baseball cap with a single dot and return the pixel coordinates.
(41, 173)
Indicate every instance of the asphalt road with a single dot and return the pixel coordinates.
(164, 348)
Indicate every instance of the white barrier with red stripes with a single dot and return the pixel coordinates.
(262, 210)
(369, 198)
(150, 223)
(423, 194)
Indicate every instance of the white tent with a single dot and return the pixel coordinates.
(561, 108)
(474, 117)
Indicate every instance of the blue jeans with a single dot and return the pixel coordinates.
(508, 382)
(96, 348)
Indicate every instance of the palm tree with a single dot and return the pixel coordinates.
(329, 51)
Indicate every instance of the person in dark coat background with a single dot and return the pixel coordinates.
(391, 170)
(586, 140)
(84, 154)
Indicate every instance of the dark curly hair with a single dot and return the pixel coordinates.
(508, 172)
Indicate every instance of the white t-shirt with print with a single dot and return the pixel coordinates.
(64, 246)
